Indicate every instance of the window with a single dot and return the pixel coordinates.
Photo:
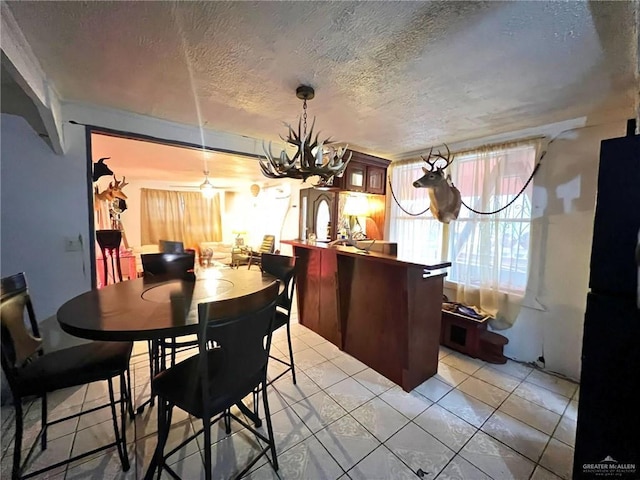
(486, 251)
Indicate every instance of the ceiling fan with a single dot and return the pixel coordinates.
(207, 188)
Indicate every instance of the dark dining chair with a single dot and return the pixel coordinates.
(32, 372)
(169, 266)
(234, 339)
(284, 269)
(171, 246)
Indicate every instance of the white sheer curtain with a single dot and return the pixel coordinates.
(419, 237)
(187, 217)
(489, 253)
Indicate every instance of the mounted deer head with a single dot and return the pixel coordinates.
(116, 189)
(445, 198)
(111, 193)
(100, 169)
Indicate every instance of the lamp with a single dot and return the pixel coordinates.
(206, 187)
(312, 158)
(355, 206)
(239, 240)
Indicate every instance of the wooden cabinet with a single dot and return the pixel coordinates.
(355, 177)
(365, 173)
(376, 179)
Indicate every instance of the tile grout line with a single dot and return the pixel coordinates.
(379, 396)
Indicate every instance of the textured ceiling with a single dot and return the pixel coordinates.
(174, 166)
(390, 77)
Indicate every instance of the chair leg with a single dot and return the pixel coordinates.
(43, 437)
(173, 353)
(163, 433)
(17, 446)
(121, 445)
(227, 421)
(293, 368)
(206, 423)
(267, 415)
(151, 348)
(124, 408)
(129, 397)
(256, 402)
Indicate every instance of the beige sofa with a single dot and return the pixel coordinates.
(211, 253)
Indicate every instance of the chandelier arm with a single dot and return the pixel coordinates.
(311, 157)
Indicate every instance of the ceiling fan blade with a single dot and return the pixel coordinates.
(197, 187)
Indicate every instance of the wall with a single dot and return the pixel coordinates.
(551, 319)
(43, 200)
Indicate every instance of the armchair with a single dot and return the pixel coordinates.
(254, 257)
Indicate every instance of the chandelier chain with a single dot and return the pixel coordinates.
(304, 116)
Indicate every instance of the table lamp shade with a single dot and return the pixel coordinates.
(356, 205)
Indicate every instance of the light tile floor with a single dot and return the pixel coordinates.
(342, 420)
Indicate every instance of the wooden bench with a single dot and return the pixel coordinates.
(470, 336)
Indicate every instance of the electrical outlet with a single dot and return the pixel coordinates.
(72, 244)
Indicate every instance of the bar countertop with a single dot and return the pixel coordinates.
(432, 269)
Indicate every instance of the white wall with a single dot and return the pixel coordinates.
(551, 320)
(564, 198)
(43, 200)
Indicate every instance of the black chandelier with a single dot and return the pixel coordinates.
(312, 158)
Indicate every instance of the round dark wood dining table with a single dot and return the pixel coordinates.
(152, 308)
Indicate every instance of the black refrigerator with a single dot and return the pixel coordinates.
(608, 429)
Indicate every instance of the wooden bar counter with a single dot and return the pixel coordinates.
(381, 310)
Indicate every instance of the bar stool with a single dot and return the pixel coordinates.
(109, 242)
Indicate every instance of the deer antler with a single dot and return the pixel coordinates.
(438, 156)
(119, 184)
(430, 164)
(116, 190)
(303, 162)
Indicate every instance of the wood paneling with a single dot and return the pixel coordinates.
(382, 311)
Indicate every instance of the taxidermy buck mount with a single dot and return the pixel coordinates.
(445, 197)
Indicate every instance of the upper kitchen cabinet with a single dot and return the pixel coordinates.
(365, 173)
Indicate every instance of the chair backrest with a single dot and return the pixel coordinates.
(171, 246)
(239, 330)
(19, 345)
(268, 244)
(284, 269)
(174, 265)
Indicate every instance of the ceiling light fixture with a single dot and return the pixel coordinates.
(311, 158)
(206, 187)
